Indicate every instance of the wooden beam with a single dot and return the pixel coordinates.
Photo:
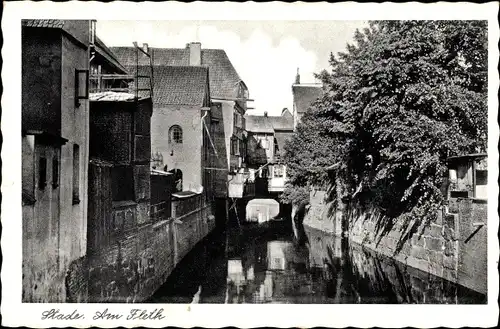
(232, 99)
(112, 76)
(473, 178)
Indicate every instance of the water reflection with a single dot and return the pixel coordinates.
(265, 265)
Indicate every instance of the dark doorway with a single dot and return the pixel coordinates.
(178, 179)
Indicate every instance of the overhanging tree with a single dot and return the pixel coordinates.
(401, 99)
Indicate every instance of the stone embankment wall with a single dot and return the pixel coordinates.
(136, 265)
(323, 215)
(359, 275)
(452, 247)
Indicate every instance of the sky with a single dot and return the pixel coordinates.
(266, 54)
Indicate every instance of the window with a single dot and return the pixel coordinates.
(55, 172)
(278, 171)
(263, 143)
(243, 148)
(76, 173)
(81, 86)
(276, 147)
(237, 120)
(235, 146)
(481, 177)
(175, 135)
(481, 184)
(42, 173)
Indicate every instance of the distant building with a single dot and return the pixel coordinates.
(106, 72)
(55, 143)
(181, 124)
(304, 95)
(260, 141)
(227, 91)
(267, 136)
(468, 176)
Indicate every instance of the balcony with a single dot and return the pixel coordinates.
(119, 86)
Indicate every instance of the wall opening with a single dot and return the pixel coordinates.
(76, 173)
(262, 210)
(177, 179)
(42, 173)
(122, 182)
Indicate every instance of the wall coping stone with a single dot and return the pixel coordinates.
(123, 204)
(162, 222)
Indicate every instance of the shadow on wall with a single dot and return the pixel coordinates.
(382, 226)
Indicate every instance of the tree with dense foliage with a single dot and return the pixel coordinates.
(401, 100)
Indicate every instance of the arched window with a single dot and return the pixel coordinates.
(175, 134)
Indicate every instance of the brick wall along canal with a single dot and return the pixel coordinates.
(263, 264)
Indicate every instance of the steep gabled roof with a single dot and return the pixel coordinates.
(268, 124)
(281, 123)
(258, 124)
(48, 23)
(286, 113)
(78, 29)
(224, 80)
(180, 85)
(108, 55)
(304, 95)
(281, 138)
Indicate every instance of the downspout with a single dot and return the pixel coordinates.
(203, 117)
(208, 134)
(202, 123)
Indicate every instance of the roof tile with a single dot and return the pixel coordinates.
(258, 124)
(281, 122)
(174, 85)
(48, 23)
(305, 95)
(268, 124)
(224, 80)
(105, 52)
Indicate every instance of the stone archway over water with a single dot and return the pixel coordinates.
(262, 210)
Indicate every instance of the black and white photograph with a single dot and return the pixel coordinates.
(313, 162)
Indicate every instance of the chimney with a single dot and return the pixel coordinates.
(297, 77)
(145, 48)
(194, 53)
(265, 113)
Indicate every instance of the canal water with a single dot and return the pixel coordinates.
(265, 264)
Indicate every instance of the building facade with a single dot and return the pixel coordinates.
(304, 95)
(55, 143)
(267, 136)
(181, 123)
(106, 73)
(228, 93)
(120, 162)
